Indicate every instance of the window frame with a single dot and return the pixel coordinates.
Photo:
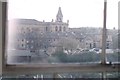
(44, 68)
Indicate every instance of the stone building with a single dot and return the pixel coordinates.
(28, 33)
(31, 34)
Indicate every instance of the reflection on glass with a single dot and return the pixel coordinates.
(113, 75)
(81, 75)
(31, 43)
(28, 76)
(34, 41)
(72, 75)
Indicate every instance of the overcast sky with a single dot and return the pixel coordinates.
(80, 13)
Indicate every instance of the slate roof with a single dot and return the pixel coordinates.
(34, 22)
(26, 21)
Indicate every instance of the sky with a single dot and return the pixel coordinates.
(80, 13)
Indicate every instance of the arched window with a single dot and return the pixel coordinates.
(90, 46)
(64, 29)
(60, 28)
(56, 28)
(46, 29)
(94, 45)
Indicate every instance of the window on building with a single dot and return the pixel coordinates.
(46, 28)
(56, 28)
(107, 45)
(22, 40)
(94, 45)
(22, 45)
(90, 45)
(60, 28)
(64, 28)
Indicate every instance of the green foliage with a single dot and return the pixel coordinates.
(119, 40)
(76, 58)
(113, 57)
(61, 56)
(68, 43)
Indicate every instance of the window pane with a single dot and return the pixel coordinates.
(34, 38)
(112, 51)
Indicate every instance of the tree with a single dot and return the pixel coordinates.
(68, 44)
(115, 41)
(119, 40)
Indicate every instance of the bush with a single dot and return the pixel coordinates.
(76, 58)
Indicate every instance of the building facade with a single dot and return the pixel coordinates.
(34, 35)
(27, 33)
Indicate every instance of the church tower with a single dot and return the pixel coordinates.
(59, 16)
